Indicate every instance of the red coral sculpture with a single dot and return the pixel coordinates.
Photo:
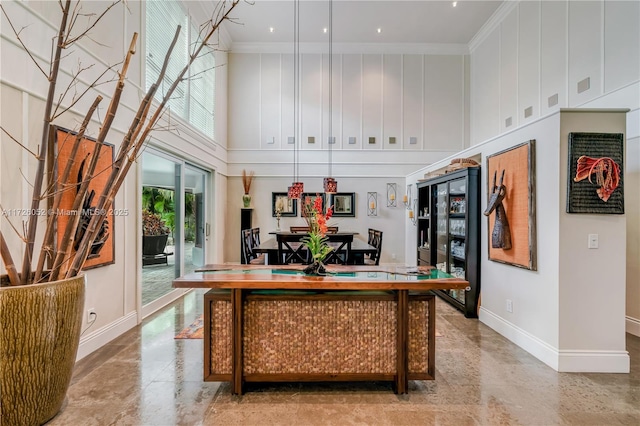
(607, 174)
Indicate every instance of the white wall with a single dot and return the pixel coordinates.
(112, 289)
(379, 96)
(569, 312)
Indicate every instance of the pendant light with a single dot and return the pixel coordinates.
(297, 188)
(329, 183)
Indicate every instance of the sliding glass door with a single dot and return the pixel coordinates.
(194, 217)
(174, 225)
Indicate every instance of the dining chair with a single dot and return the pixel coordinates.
(291, 249)
(375, 240)
(255, 237)
(249, 256)
(332, 229)
(298, 229)
(341, 253)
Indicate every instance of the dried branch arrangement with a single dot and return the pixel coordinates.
(67, 261)
(247, 179)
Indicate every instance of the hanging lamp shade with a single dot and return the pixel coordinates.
(330, 185)
(295, 190)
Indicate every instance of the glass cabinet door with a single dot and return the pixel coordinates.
(442, 239)
(457, 232)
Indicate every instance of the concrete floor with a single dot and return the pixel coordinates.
(146, 377)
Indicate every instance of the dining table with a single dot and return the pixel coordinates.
(359, 248)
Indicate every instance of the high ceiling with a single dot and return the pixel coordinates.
(357, 21)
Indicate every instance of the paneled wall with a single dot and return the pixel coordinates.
(388, 107)
(547, 55)
(540, 56)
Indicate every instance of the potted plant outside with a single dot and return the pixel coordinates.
(42, 297)
(154, 238)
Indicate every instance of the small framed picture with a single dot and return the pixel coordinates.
(310, 197)
(344, 204)
(281, 202)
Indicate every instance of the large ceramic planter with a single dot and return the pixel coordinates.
(39, 335)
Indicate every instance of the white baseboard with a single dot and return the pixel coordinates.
(633, 326)
(104, 335)
(594, 361)
(563, 361)
(536, 347)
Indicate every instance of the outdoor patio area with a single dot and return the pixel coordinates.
(156, 279)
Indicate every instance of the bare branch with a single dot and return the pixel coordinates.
(26, 49)
(96, 220)
(76, 98)
(57, 197)
(39, 178)
(14, 278)
(78, 37)
(18, 142)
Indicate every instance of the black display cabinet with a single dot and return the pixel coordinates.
(448, 220)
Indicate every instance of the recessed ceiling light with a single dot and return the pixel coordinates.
(379, 30)
(454, 4)
(271, 29)
(324, 30)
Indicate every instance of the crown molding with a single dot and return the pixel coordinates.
(354, 48)
(492, 23)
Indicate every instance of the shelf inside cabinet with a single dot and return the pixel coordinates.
(458, 237)
(457, 215)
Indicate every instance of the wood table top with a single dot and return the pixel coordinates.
(339, 277)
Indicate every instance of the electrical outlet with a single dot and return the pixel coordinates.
(91, 314)
(509, 305)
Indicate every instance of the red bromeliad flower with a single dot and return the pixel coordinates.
(316, 241)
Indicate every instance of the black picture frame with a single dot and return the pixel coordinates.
(311, 196)
(582, 196)
(344, 204)
(290, 205)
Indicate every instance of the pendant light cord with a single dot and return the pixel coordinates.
(296, 78)
(330, 85)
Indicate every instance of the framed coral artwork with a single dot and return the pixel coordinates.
(61, 143)
(595, 173)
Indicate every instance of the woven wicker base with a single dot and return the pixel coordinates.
(316, 334)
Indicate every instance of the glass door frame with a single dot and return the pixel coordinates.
(181, 166)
